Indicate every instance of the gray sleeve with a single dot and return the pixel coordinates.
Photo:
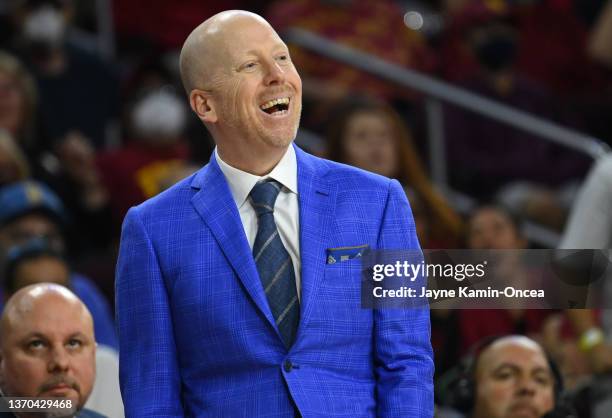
(590, 222)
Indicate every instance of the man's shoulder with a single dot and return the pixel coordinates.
(349, 176)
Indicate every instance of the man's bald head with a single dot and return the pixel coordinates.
(513, 378)
(27, 299)
(502, 343)
(47, 345)
(207, 44)
(244, 87)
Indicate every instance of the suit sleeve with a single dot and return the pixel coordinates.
(148, 370)
(402, 347)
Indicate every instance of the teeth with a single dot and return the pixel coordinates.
(284, 100)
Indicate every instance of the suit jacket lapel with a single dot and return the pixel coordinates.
(317, 204)
(214, 203)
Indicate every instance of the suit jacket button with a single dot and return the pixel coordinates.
(288, 366)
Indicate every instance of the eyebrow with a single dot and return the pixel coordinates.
(513, 366)
(43, 336)
(26, 338)
(34, 334)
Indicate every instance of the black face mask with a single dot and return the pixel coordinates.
(497, 52)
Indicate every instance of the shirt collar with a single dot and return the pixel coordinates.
(241, 183)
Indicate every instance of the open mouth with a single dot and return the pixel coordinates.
(276, 107)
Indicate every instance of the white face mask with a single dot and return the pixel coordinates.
(159, 116)
(44, 25)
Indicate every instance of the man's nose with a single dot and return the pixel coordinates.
(526, 387)
(59, 361)
(275, 74)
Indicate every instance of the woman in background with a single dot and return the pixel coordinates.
(371, 135)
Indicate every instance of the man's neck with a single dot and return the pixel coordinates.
(255, 163)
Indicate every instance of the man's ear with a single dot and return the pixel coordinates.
(202, 104)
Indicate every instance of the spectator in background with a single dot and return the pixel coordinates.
(484, 154)
(155, 157)
(505, 377)
(18, 102)
(32, 263)
(590, 227)
(547, 30)
(376, 28)
(151, 73)
(494, 228)
(68, 77)
(13, 163)
(47, 346)
(36, 262)
(77, 180)
(554, 50)
(372, 136)
(69, 169)
(30, 210)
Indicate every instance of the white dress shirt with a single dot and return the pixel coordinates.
(286, 208)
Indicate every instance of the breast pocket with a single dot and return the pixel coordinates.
(338, 308)
(343, 281)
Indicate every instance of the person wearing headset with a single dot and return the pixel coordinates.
(508, 377)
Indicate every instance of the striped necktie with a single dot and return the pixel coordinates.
(274, 263)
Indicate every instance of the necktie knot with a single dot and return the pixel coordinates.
(263, 196)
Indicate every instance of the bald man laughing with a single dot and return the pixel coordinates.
(227, 303)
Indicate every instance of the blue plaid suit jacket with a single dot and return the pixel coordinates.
(197, 338)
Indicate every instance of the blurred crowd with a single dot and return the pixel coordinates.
(94, 120)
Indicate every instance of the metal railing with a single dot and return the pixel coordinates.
(437, 92)
(106, 30)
